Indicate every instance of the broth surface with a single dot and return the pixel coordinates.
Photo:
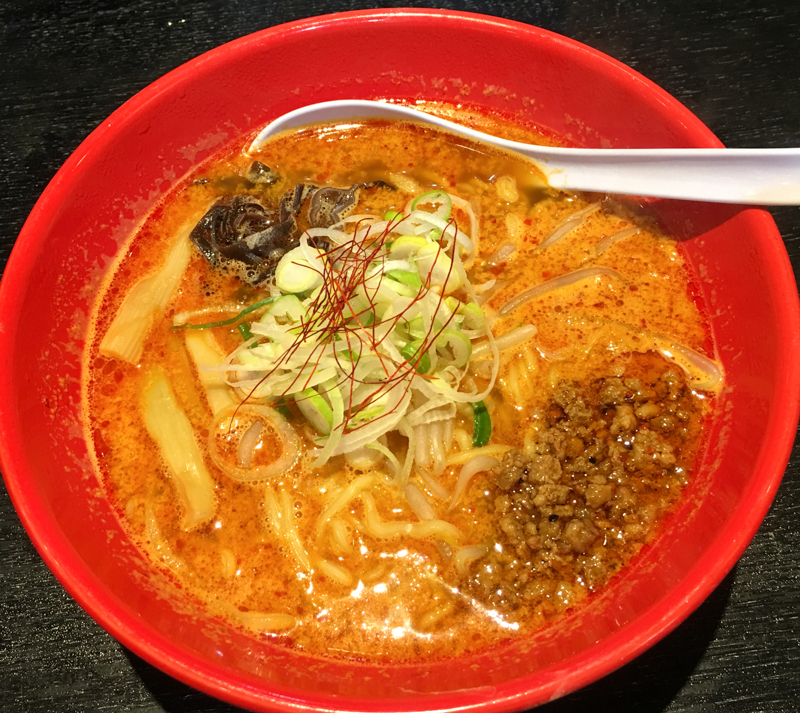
(595, 430)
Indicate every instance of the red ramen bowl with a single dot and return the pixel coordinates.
(121, 171)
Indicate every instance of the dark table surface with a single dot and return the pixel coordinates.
(67, 64)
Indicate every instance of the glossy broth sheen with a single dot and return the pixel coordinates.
(406, 598)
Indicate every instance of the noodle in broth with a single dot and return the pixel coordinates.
(455, 411)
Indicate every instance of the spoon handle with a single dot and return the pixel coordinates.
(749, 176)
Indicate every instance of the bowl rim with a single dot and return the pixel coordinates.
(595, 661)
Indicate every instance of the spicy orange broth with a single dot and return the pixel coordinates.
(396, 582)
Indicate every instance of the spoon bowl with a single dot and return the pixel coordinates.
(749, 176)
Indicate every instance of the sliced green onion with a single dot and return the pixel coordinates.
(453, 304)
(315, 409)
(405, 246)
(359, 312)
(473, 316)
(403, 287)
(410, 353)
(315, 293)
(435, 197)
(451, 342)
(407, 277)
(370, 412)
(226, 322)
(244, 330)
(287, 308)
(416, 328)
(400, 289)
(356, 306)
(437, 268)
(482, 425)
(391, 215)
(296, 274)
(257, 356)
(366, 319)
(282, 407)
(332, 396)
(351, 355)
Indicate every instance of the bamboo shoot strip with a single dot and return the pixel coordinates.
(172, 432)
(205, 351)
(132, 322)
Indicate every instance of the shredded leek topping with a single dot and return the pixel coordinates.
(372, 335)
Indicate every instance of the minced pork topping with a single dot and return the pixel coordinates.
(611, 457)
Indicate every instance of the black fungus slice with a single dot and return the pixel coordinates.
(244, 237)
(263, 174)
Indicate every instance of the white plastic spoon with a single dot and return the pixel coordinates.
(749, 176)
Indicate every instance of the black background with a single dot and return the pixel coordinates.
(68, 64)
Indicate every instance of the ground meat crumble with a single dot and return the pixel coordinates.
(611, 458)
